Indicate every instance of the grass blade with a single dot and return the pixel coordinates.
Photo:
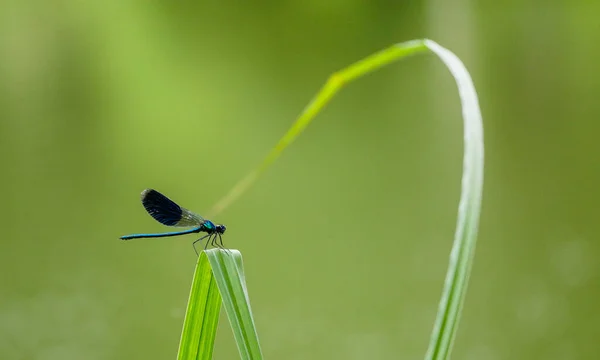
(334, 84)
(465, 237)
(463, 249)
(202, 314)
(229, 274)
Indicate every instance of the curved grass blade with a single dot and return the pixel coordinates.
(335, 82)
(469, 207)
(463, 249)
(228, 271)
(202, 315)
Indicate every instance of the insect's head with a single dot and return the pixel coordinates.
(221, 229)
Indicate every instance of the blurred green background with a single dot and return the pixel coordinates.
(346, 238)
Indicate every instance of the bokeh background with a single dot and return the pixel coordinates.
(346, 238)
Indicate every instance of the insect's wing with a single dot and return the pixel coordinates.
(166, 212)
(189, 218)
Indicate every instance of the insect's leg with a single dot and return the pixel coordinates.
(219, 242)
(206, 243)
(223, 246)
(194, 243)
(215, 242)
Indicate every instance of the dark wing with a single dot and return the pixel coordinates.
(166, 212)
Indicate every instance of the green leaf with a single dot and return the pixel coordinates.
(469, 207)
(219, 277)
(202, 314)
(229, 273)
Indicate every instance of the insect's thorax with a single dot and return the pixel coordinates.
(208, 227)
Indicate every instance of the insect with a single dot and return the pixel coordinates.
(167, 212)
